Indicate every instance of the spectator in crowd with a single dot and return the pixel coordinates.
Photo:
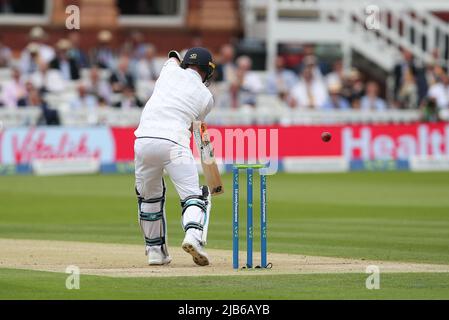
(48, 80)
(121, 77)
(135, 47)
(146, 68)
(406, 66)
(45, 52)
(128, 99)
(5, 54)
(311, 62)
(372, 101)
(335, 100)
(310, 92)
(308, 51)
(84, 99)
(102, 103)
(245, 85)
(33, 98)
(97, 86)
(353, 88)
(22, 102)
(13, 90)
(225, 70)
(29, 98)
(408, 93)
(281, 80)
(75, 52)
(440, 91)
(103, 55)
(432, 73)
(33, 59)
(64, 63)
(337, 74)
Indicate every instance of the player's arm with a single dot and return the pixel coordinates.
(208, 162)
(173, 61)
(207, 109)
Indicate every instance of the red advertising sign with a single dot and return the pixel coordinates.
(110, 145)
(352, 141)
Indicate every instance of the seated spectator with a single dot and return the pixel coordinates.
(281, 80)
(337, 74)
(335, 100)
(128, 99)
(440, 92)
(46, 53)
(311, 62)
(102, 103)
(5, 55)
(434, 69)
(64, 63)
(307, 52)
(33, 59)
(432, 73)
(24, 100)
(135, 47)
(103, 55)
(47, 80)
(310, 92)
(372, 101)
(245, 85)
(407, 97)
(76, 52)
(121, 77)
(96, 86)
(84, 99)
(226, 67)
(33, 99)
(146, 68)
(353, 88)
(13, 90)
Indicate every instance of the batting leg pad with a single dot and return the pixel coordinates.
(195, 214)
(152, 222)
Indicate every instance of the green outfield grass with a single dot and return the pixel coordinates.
(19, 284)
(396, 216)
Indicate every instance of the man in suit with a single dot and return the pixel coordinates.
(226, 68)
(122, 77)
(64, 63)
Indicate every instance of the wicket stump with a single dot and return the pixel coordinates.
(249, 215)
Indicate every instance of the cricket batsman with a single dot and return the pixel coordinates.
(180, 97)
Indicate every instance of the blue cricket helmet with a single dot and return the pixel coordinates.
(202, 58)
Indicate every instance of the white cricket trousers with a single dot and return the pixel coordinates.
(152, 156)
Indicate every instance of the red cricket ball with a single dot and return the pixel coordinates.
(326, 136)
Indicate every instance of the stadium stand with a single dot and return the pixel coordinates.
(61, 82)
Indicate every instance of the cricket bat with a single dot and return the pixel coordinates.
(208, 163)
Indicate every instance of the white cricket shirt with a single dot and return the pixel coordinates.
(179, 98)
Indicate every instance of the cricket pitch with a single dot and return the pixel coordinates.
(123, 260)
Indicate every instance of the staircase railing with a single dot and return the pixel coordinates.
(401, 26)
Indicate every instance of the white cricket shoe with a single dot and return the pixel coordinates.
(156, 257)
(193, 247)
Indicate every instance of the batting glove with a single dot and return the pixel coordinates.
(175, 54)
